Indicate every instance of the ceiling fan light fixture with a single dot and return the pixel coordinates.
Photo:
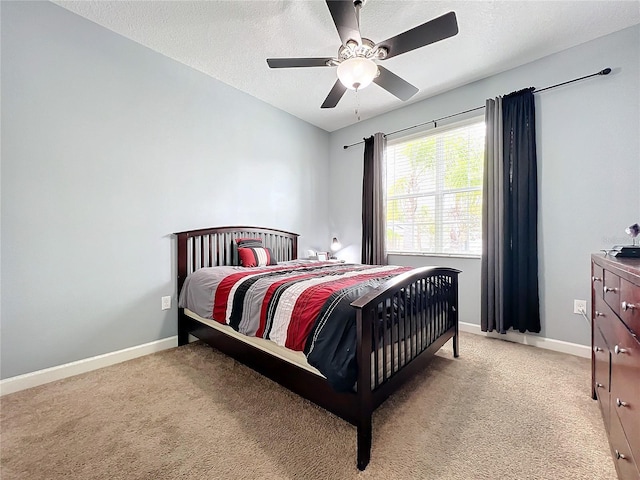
(357, 72)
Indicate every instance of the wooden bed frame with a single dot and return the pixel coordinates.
(387, 355)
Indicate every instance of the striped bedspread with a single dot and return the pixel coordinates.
(301, 305)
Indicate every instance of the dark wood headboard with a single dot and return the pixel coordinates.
(212, 247)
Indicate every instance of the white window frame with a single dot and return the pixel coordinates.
(439, 192)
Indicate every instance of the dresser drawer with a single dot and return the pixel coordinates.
(630, 305)
(604, 318)
(625, 384)
(601, 361)
(622, 455)
(611, 290)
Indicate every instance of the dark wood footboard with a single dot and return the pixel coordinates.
(400, 326)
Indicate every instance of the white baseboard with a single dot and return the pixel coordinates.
(523, 338)
(40, 377)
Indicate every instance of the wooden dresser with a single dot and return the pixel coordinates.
(615, 356)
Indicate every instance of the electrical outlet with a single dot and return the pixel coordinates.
(580, 306)
(166, 303)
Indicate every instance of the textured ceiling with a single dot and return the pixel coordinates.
(230, 40)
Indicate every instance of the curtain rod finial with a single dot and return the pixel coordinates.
(606, 71)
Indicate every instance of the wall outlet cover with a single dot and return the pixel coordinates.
(580, 306)
(166, 303)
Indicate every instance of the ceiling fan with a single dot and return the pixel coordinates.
(355, 59)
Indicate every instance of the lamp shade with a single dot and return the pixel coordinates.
(357, 72)
(335, 245)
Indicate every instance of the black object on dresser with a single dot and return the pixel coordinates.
(615, 356)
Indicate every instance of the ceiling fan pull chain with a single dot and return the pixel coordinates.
(357, 105)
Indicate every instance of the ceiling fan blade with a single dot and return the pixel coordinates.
(297, 62)
(394, 84)
(335, 95)
(344, 16)
(433, 31)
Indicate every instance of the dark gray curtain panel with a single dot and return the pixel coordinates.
(493, 239)
(373, 201)
(513, 300)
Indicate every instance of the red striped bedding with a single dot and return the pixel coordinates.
(301, 305)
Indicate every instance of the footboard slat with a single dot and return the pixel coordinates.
(384, 331)
(421, 317)
(436, 317)
(408, 317)
(394, 339)
(378, 329)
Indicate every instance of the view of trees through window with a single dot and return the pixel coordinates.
(434, 191)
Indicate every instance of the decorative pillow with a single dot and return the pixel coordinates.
(249, 242)
(256, 256)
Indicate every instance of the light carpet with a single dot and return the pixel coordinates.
(500, 411)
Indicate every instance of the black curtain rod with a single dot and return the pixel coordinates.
(606, 71)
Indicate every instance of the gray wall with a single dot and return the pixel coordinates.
(107, 148)
(588, 137)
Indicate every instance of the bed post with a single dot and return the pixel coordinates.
(183, 333)
(454, 313)
(365, 397)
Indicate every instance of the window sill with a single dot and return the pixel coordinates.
(440, 255)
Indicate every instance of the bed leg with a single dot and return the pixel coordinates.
(456, 352)
(183, 338)
(183, 332)
(364, 443)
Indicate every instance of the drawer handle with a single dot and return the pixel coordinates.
(599, 385)
(627, 306)
(620, 403)
(620, 455)
(599, 314)
(597, 349)
(596, 279)
(619, 350)
(610, 289)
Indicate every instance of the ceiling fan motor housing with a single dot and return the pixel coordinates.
(366, 49)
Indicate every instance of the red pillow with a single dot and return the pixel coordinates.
(256, 257)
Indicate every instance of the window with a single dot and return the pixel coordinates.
(434, 190)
